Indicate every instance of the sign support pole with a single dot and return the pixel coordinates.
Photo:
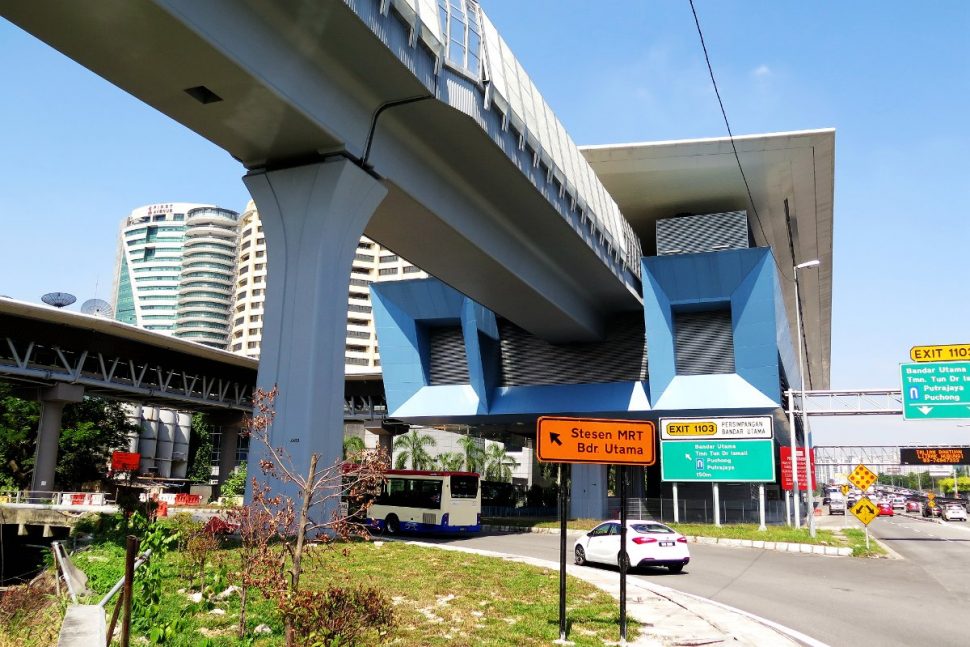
(794, 457)
(676, 503)
(717, 504)
(562, 555)
(787, 508)
(623, 556)
(761, 506)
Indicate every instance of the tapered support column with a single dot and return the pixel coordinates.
(588, 493)
(52, 403)
(228, 443)
(313, 217)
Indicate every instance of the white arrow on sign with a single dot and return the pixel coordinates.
(925, 410)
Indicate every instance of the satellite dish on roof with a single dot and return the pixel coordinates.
(58, 299)
(97, 308)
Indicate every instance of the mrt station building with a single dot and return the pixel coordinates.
(716, 335)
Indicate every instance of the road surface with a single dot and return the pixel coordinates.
(921, 600)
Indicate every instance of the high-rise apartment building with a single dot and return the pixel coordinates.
(175, 270)
(371, 263)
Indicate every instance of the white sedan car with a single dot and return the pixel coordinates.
(954, 512)
(648, 543)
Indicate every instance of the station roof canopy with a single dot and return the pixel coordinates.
(790, 207)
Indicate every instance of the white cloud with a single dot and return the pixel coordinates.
(761, 71)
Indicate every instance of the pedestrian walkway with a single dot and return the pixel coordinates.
(669, 617)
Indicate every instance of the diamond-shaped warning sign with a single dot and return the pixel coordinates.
(862, 477)
(865, 510)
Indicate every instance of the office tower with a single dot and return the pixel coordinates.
(371, 263)
(175, 270)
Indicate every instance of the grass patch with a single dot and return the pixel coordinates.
(857, 540)
(30, 615)
(786, 534)
(439, 597)
(735, 531)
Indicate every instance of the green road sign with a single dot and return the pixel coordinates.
(724, 461)
(936, 390)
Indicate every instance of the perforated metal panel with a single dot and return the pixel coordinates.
(448, 362)
(703, 342)
(709, 232)
(621, 357)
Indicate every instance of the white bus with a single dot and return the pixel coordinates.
(419, 501)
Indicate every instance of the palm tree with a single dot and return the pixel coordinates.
(353, 445)
(411, 448)
(449, 461)
(498, 464)
(473, 453)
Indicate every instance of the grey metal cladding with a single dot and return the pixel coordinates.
(708, 232)
(448, 363)
(620, 357)
(703, 342)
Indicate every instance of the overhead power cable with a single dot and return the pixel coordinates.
(727, 124)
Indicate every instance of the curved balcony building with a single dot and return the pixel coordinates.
(208, 270)
(175, 270)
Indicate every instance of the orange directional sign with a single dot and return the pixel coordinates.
(584, 440)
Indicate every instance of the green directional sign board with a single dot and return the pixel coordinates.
(936, 390)
(723, 461)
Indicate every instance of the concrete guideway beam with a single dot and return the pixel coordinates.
(313, 217)
(52, 403)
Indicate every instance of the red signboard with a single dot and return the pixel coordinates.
(125, 461)
(786, 480)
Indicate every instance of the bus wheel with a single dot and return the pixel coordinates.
(391, 525)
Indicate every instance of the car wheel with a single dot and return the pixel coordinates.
(675, 568)
(392, 525)
(580, 556)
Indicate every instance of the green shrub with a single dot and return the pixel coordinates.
(235, 483)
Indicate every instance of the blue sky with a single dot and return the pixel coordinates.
(892, 77)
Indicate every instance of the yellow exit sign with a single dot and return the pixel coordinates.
(946, 353)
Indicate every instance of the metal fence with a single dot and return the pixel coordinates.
(507, 512)
(662, 509)
(699, 510)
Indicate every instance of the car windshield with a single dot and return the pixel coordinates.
(652, 528)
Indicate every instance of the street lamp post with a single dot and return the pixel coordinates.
(810, 495)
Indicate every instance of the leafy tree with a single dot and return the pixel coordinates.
(411, 448)
(963, 485)
(353, 445)
(498, 464)
(473, 453)
(200, 449)
(18, 433)
(449, 461)
(90, 431)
